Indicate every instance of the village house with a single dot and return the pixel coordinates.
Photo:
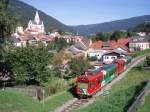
(138, 43)
(111, 56)
(98, 48)
(81, 46)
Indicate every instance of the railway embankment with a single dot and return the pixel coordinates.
(139, 99)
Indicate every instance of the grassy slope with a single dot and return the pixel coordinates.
(16, 102)
(56, 101)
(139, 53)
(145, 107)
(121, 93)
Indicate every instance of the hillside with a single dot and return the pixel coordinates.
(26, 12)
(111, 26)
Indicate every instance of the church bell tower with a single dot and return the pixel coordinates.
(37, 18)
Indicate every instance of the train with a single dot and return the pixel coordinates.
(93, 80)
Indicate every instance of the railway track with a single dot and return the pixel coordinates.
(75, 105)
(78, 103)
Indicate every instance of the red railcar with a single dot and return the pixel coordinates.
(120, 65)
(89, 83)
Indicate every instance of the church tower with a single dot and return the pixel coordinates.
(37, 18)
(36, 26)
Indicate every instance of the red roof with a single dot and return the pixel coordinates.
(123, 42)
(96, 45)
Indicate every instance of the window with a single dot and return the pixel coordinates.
(91, 85)
(113, 57)
(83, 85)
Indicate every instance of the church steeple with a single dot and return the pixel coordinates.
(37, 18)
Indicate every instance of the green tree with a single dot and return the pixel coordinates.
(7, 21)
(57, 45)
(106, 36)
(29, 63)
(130, 33)
(103, 36)
(143, 27)
(117, 35)
(78, 66)
(148, 60)
(7, 26)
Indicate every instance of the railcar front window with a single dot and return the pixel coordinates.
(83, 85)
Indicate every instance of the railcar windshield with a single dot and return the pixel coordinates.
(93, 70)
(83, 85)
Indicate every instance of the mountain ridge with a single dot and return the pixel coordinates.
(26, 12)
(122, 24)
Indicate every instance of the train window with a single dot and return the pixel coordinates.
(92, 84)
(83, 85)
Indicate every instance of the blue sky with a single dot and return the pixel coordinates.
(77, 12)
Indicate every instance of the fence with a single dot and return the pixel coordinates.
(36, 92)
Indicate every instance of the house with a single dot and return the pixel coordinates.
(141, 34)
(98, 48)
(80, 47)
(74, 50)
(111, 56)
(16, 42)
(95, 53)
(138, 43)
(83, 44)
(121, 44)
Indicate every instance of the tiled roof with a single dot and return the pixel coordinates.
(123, 42)
(85, 41)
(137, 39)
(96, 45)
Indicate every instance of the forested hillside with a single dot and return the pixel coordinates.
(25, 12)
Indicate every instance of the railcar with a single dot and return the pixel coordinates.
(93, 80)
(120, 65)
(109, 73)
(128, 60)
(89, 82)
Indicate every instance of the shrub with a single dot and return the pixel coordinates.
(148, 60)
(93, 58)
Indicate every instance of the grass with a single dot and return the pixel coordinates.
(121, 95)
(17, 102)
(140, 53)
(56, 101)
(145, 106)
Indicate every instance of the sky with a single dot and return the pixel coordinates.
(82, 12)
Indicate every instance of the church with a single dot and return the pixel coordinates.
(36, 26)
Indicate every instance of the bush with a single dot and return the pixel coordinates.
(93, 58)
(148, 60)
